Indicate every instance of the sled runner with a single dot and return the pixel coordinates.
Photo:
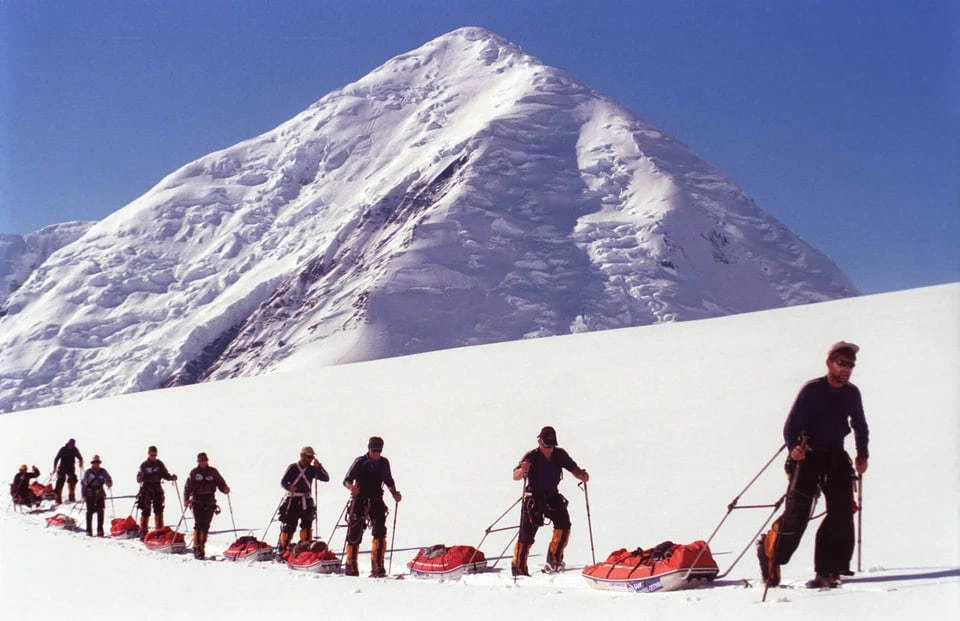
(165, 540)
(667, 567)
(313, 556)
(248, 548)
(124, 528)
(61, 521)
(445, 563)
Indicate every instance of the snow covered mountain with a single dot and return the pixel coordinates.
(21, 254)
(462, 193)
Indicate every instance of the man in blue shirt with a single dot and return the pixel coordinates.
(819, 421)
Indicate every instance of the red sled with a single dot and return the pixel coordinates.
(43, 492)
(248, 548)
(667, 567)
(447, 563)
(312, 556)
(61, 521)
(124, 528)
(165, 540)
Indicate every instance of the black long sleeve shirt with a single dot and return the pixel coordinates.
(826, 414)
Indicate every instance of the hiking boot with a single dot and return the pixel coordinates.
(824, 581)
(769, 570)
(518, 566)
(554, 568)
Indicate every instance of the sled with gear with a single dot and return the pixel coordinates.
(124, 528)
(312, 556)
(43, 492)
(666, 567)
(447, 563)
(165, 540)
(61, 521)
(249, 548)
(35, 494)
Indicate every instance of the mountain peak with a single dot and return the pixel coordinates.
(461, 193)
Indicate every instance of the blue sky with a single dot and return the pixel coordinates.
(839, 118)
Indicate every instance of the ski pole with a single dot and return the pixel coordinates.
(859, 519)
(338, 524)
(232, 520)
(586, 498)
(393, 534)
(788, 497)
(177, 488)
(270, 523)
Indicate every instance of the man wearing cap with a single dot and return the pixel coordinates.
(150, 475)
(299, 504)
(200, 493)
(541, 469)
(20, 488)
(821, 418)
(91, 488)
(365, 480)
(64, 466)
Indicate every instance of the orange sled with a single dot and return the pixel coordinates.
(165, 540)
(313, 556)
(445, 563)
(124, 528)
(61, 521)
(248, 548)
(667, 567)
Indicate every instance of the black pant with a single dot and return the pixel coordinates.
(95, 504)
(537, 507)
(204, 507)
(294, 509)
(69, 476)
(830, 472)
(151, 495)
(363, 511)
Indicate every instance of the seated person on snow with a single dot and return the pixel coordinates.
(20, 488)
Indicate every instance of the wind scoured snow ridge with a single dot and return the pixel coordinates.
(460, 194)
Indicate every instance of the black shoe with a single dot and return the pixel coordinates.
(350, 571)
(824, 581)
(769, 571)
(378, 573)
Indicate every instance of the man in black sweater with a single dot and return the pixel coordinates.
(821, 418)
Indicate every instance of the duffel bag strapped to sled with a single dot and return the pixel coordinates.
(667, 567)
(444, 562)
(43, 492)
(124, 528)
(165, 540)
(249, 548)
(61, 520)
(313, 556)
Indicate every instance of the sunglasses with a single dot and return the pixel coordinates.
(846, 364)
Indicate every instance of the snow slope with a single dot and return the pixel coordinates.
(670, 420)
(460, 194)
(20, 255)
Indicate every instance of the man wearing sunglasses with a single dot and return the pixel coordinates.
(366, 478)
(821, 418)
